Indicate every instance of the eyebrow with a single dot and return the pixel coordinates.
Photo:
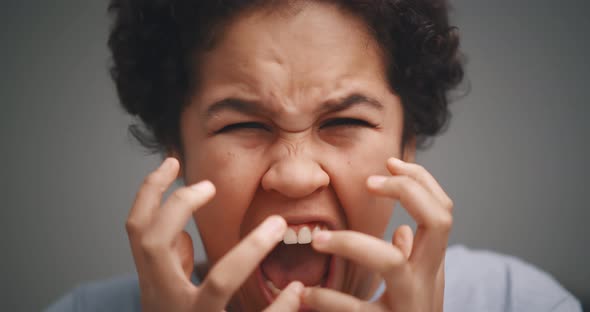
(257, 108)
(348, 102)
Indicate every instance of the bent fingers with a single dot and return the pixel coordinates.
(235, 267)
(374, 253)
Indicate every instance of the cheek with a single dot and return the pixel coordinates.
(236, 180)
(349, 172)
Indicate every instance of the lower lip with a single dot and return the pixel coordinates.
(270, 296)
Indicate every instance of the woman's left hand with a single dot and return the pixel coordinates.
(413, 268)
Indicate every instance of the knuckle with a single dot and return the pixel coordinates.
(417, 170)
(449, 204)
(151, 245)
(409, 186)
(132, 227)
(423, 177)
(218, 286)
(182, 195)
(444, 222)
(420, 170)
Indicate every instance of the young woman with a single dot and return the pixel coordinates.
(294, 125)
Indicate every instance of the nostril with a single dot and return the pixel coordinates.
(295, 178)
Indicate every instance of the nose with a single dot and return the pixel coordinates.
(295, 177)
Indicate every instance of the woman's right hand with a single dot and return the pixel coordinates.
(163, 251)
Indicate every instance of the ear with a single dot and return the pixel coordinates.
(176, 154)
(409, 150)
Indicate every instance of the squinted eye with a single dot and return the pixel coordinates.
(244, 126)
(346, 122)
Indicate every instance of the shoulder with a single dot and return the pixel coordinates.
(115, 294)
(110, 295)
(480, 280)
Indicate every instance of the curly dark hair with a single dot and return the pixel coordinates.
(153, 43)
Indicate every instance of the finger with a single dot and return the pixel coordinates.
(368, 251)
(288, 300)
(235, 267)
(419, 203)
(420, 174)
(403, 238)
(183, 247)
(146, 202)
(178, 209)
(157, 242)
(150, 193)
(324, 299)
(374, 253)
(434, 222)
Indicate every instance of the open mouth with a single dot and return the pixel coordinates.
(294, 259)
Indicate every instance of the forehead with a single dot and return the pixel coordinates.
(285, 58)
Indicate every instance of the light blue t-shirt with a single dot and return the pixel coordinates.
(474, 281)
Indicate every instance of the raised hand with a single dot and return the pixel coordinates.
(412, 268)
(163, 251)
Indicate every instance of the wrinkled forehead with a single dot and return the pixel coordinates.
(313, 53)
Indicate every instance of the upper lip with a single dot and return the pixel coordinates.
(302, 219)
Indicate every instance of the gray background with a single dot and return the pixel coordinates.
(514, 159)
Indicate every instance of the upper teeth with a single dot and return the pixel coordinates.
(302, 237)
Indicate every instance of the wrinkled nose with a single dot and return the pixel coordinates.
(295, 177)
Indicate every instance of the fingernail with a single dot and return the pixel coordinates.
(297, 287)
(321, 237)
(396, 161)
(376, 181)
(166, 164)
(275, 226)
(205, 187)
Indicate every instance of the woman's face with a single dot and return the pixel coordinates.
(292, 114)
